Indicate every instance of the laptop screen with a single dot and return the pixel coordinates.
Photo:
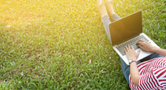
(126, 28)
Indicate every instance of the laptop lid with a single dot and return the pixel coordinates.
(126, 28)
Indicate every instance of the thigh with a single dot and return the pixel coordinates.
(126, 70)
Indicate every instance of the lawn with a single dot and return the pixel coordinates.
(61, 44)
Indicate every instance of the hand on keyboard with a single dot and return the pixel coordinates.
(131, 42)
(144, 45)
(131, 53)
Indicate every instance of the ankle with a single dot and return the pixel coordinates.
(113, 13)
(103, 15)
(109, 5)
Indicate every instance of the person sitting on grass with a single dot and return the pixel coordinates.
(150, 74)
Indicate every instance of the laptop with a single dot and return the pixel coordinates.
(126, 31)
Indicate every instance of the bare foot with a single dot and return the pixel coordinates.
(101, 7)
(109, 5)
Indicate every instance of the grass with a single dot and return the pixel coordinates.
(61, 44)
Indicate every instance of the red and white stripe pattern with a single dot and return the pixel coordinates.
(153, 75)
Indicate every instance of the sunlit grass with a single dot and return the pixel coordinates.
(61, 44)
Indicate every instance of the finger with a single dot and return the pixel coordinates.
(143, 41)
(132, 48)
(140, 41)
(140, 45)
(138, 52)
(126, 48)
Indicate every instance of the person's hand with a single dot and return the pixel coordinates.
(131, 53)
(144, 45)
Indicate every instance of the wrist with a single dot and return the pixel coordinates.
(132, 61)
(154, 49)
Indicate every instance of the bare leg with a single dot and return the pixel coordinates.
(110, 10)
(104, 17)
(101, 7)
(109, 5)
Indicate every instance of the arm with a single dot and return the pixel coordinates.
(144, 45)
(160, 51)
(135, 76)
(132, 55)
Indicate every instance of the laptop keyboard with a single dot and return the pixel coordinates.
(132, 42)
